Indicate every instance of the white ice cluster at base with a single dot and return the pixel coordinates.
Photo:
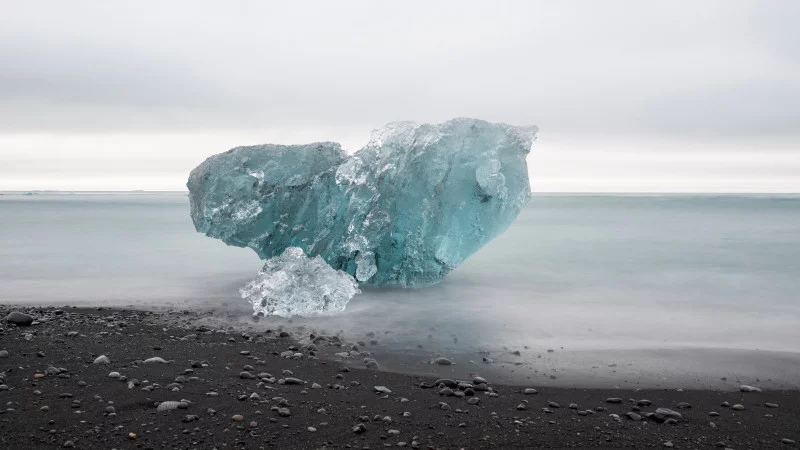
(294, 284)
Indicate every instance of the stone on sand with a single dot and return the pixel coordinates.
(666, 413)
(156, 360)
(19, 319)
(169, 406)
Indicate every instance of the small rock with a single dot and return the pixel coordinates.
(445, 381)
(613, 400)
(738, 407)
(746, 388)
(442, 361)
(237, 418)
(788, 441)
(771, 405)
(633, 416)
(382, 390)
(4, 354)
(102, 359)
(156, 360)
(68, 444)
(668, 413)
(19, 319)
(530, 391)
(284, 412)
(169, 406)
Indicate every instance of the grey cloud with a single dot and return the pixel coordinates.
(711, 68)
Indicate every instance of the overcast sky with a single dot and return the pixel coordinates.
(629, 95)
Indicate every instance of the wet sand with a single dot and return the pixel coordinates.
(290, 390)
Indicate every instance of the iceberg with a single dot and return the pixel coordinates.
(405, 210)
(293, 284)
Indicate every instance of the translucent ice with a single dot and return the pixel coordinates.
(293, 284)
(405, 210)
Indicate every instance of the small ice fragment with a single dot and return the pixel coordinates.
(294, 284)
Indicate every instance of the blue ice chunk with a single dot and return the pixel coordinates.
(405, 210)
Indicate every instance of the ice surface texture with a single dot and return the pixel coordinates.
(293, 284)
(404, 210)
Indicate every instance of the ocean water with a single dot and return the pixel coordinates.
(583, 275)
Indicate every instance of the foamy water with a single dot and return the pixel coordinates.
(582, 273)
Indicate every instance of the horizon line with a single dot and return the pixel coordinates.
(144, 191)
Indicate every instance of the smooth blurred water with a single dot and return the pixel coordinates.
(580, 272)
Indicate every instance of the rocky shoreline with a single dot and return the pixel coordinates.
(104, 378)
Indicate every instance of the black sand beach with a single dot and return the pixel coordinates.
(274, 390)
